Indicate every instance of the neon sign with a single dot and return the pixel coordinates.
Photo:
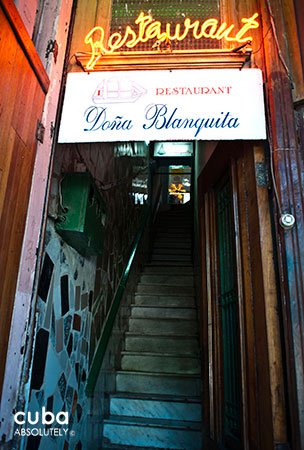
(149, 29)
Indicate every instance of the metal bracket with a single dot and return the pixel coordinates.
(52, 47)
(40, 130)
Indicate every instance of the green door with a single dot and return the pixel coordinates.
(228, 304)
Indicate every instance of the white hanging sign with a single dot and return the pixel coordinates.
(156, 105)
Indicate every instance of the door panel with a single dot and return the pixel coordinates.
(228, 304)
(21, 102)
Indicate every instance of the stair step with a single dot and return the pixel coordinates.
(160, 407)
(173, 234)
(171, 263)
(167, 301)
(163, 326)
(155, 343)
(152, 432)
(175, 220)
(170, 244)
(169, 270)
(163, 237)
(177, 236)
(164, 312)
(159, 363)
(174, 224)
(109, 446)
(174, 257)
(172, 251)
(159, 289)
(155, 383)
(168, 279)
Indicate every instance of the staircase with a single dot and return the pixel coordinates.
(157, 403)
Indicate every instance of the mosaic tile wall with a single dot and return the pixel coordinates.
(64, 315)
(75, 293)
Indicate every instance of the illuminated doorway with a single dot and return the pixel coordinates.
(179, 184)
(173, 171)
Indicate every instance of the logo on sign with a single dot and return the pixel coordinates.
(117, 91)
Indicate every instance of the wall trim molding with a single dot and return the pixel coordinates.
(179, 59)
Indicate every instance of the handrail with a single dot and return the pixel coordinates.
(157, 203)
(106, 333)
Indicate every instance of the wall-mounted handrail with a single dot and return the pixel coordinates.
(155, 207)
(107, 330)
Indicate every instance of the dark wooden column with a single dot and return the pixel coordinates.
(288, 168)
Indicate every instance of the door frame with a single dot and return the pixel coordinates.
(262, 390)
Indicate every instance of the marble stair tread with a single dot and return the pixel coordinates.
(161, 243)
(172, 251)
(170, 263)
(163, 311)
(163, 326)
(172, 344)
(155, 301)
(158, 433)
(171, 257)
(158, 383)
(173, 222)
(158, 354)
(156, 397)
(168, 270)
(127, 447)
(172, 244)
(170, 239)
(172, 230)
(159, 363)
(168, 279)
(144, 288)
(160, 423)
(156, 406)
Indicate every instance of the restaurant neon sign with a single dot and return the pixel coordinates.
(149, 29)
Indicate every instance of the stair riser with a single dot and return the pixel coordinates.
(174, 223)
(152, 437)
(159, 263)
(174, 226)
(154, 300)
(164, 313)
(160, 364)
(170, 280)
(155, 344)
(154, 409)
(168, 244)
(155, 326)
(152, 384)
(174, 236)
(164, 290)
(167, 257)
(169, 228)
(169, 270)
(172, 251)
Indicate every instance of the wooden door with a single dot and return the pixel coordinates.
(228, 304)
(243, 371)
(23, 84)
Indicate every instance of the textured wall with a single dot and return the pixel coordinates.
(75, 293)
